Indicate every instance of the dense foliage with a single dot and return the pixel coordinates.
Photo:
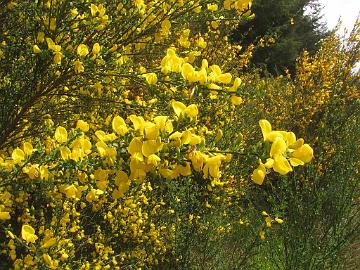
(282, 29)
(132, 137)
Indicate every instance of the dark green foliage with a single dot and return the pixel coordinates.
(274, 18)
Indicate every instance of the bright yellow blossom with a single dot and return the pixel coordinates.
(28, 234)
(82, 50)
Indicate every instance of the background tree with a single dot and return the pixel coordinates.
(283, 29)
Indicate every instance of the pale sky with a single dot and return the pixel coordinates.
(348, 10)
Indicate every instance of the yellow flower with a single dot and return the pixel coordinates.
(40, 37)
(28, 234)
(180, 108)
(101, 174)
(61, 134)
(49, 261)
(44, 172)
(184, 170)
(105, 137)
(93, 195)
(119, 125)
(65, 153)
(18, 155)
(32, 171)
(78, 66)
(188, 72)
(96, 49)
(227, 4)
(82, 125)
(153, 160)
(278, 152)
(212, 166)
(224, 78)
(150, 147)
(268, 221)
(262, 235)
(214, 24)
(212, 7)
(151, 131)
(171, 62)
(279, 220)
(28, 149)
(259, 174)
(198, 159)
(57, 58)
(304, 153)
(49, 242)
(82, 50)
(235, 100)
(36, 49)
(138, 122)
(267, 132)
(4, 215)
(201, 43)
(122, 182)
(236, 84)
(135, 146)
(169, 174)
(151, 78)
(70, 191)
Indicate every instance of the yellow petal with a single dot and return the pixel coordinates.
(295, 162)
(224, 78)
(28, 149)
(151, 78)
(258, 176)
(119, 125)
(272, 135)
(36, 49)
(82, 50)
(265, 127)
(82, 125)
(138, 122)
(235, 100)
(96, 48)
(49, 243)
(195, 139)
(151, 131)
(4, 215)
(186, 137)
(281, 165)
(160, 121)
(178, 107)
(135, 146)
(268, 221)
(70, 191)
(191, 111)
(28, 234)
(290, 138)
(18, 155)
(278, 147)
(185, 170)
(297, 144)
(279, 220)
(153, 160)
(65, 153)
(269, 163)
(150, 147)
(61, 134)
(304, 153)
(188, 72)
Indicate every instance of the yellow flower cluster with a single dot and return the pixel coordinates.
(286, 152)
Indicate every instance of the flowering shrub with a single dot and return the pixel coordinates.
(126, 136)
